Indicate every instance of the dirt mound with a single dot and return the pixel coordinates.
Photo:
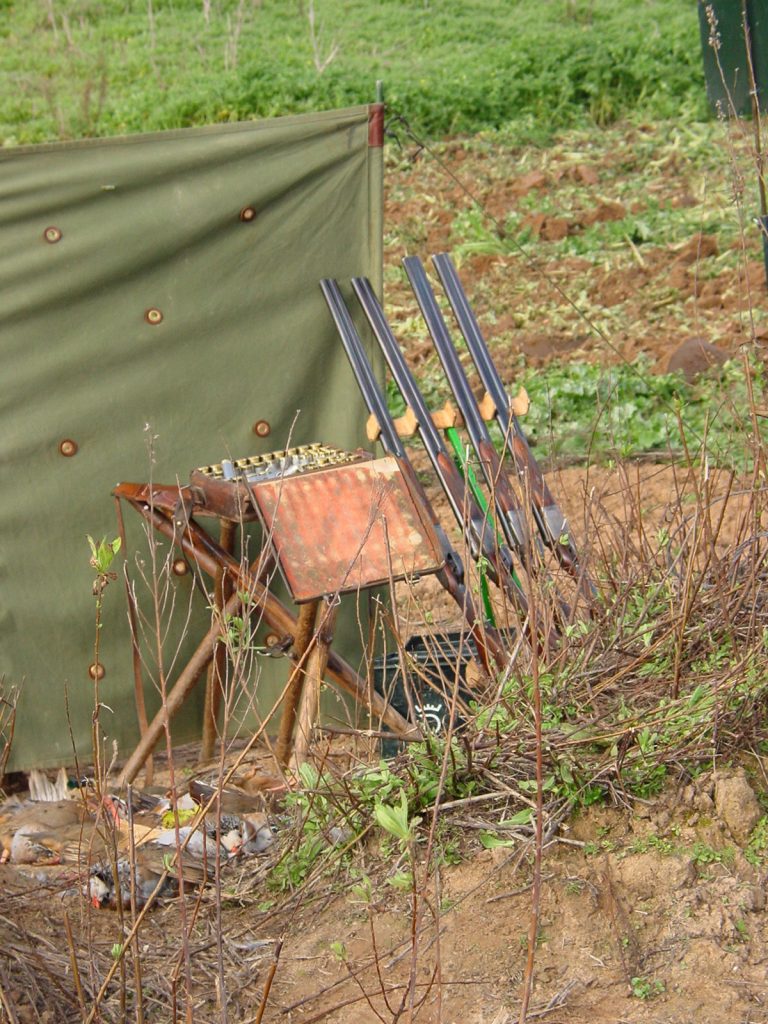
(650, 913)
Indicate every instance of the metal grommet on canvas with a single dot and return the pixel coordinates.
(96, 670)
(271, 640)
(261, 428)
(247, 214)
(68, 448)
(52, 235)
(180, 567)
(153, 316)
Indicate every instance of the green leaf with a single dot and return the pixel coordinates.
(309, 775)
(402, 880)
(529, 785)
(103, 553)
(490, 841)
(394, 819)
(524, 817)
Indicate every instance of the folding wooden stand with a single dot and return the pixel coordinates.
(331, 531)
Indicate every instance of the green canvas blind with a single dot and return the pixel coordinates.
(158, 298)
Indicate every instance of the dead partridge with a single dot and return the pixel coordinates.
(44, 816)
(71, 844)
(150, 864)
(240, 818)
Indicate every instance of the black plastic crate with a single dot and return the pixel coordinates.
(431, 665)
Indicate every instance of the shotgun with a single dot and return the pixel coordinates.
(550, 521)
(510, 511)
(474, 522)
(451, 575)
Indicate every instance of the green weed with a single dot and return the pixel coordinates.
(741, 929)
(628, 409)
(702, 854)
(646, 988)
(757, 847)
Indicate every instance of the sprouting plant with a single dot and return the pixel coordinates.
(757, 847)
(703, 854)
(646, 988)
(395, 819)
(362, 889)
(102, 556)
(339, 950)
(235, 635)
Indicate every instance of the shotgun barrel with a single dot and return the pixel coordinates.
(473, 520)
(550, 521)
(509, 508)
(451, 576)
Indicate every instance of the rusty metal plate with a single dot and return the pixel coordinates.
(346, 528)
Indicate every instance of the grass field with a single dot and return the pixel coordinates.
(76, 68)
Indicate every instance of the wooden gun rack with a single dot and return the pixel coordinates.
(403, 544)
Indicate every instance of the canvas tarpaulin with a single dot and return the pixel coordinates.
(158, 297)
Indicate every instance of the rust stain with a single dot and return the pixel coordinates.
(346, 528)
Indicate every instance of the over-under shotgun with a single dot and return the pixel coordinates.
(550, 521)
(451, 576)
(479, 531)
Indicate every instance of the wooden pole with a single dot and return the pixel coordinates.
(310, 701)
(304, 630)
(178, 694)
(214, 684)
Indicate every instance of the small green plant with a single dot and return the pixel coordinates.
(757, 847)
(664, 847)
(102, 555)
(449, 852)
(401, 880)
(703, 854)
(318, 807)
(491, 841)
(646, 988)
(741, 929)
(395, 819)
(362, 890)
